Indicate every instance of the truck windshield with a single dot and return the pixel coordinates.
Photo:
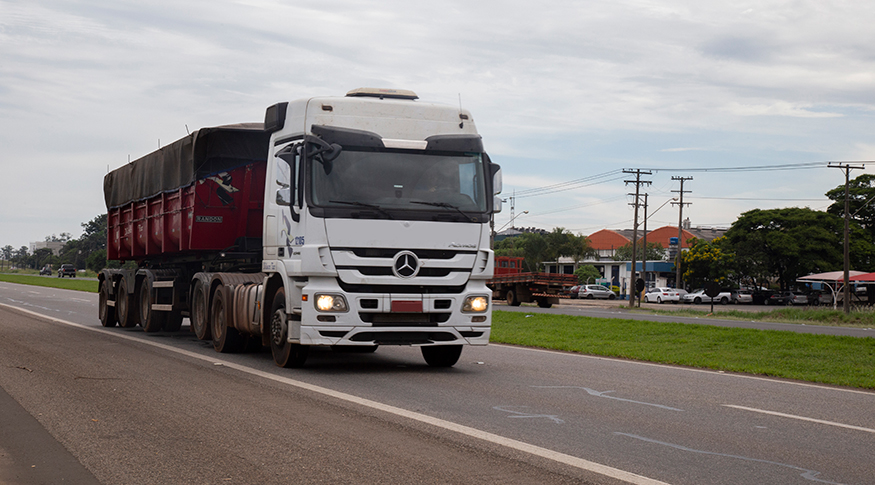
(401, 180)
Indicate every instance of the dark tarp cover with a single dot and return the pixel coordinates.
(205, 152)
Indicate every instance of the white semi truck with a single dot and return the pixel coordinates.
(350, 222)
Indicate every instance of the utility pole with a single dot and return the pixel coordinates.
(644, 264)
(846, 297)
(680, 203)
(638, 173)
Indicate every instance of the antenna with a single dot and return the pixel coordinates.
(186, 129)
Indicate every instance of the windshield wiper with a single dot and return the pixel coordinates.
(362, 204)
(446, 206)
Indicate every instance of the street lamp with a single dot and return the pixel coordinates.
(511, 220)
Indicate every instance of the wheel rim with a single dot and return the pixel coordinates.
(278, 328)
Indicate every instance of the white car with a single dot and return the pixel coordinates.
(660, 295)
(699, 296)
(595, 291)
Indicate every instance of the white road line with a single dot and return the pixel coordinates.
(801, 418)
(440, 423)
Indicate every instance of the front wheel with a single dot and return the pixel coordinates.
(697, 300)
(724, 301)
(442, 355)
(512, 300)
(285, 353)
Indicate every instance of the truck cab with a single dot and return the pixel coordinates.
(376, 228)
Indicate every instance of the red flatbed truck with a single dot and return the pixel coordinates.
(511, 284)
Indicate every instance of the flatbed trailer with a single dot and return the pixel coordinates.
(543, 288)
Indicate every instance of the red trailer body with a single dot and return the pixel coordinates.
(202, 217)
(198, 196)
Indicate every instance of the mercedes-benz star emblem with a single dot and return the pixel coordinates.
(406, 265)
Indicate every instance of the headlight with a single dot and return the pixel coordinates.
(330, 303)
(476, 304)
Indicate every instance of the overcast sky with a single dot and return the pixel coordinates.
(561, 91)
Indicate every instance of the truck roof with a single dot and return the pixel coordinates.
(205, 152)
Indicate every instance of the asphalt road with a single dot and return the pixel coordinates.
(165, 408)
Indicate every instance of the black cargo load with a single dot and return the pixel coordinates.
(204, 153)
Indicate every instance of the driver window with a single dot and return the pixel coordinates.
(287, 180)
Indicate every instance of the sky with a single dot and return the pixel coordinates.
(567, 95)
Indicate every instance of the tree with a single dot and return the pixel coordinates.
(537, 248)
(793, 242)
(861, 202)
(6, 251)
(706, 261)
(655, 252)
(587, 274)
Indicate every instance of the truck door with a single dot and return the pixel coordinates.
(283, 231)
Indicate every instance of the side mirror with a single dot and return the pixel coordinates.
(496, 204)
(284, 197)
(496, 179)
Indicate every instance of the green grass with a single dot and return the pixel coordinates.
(845, 361)
(860, 317)
(51, 282)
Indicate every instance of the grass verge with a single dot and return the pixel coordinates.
(51, 282)
(860, 317)
(844, 361)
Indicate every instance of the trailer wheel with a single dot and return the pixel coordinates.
(512, 300)
(125, 305)
(226, 338)
(200, 312)
(441, 355)
(285, 353)
(150, 320)
(544, 303)
(106, 312)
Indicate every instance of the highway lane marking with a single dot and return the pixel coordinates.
(556, 456)
(604, 394)
(520, 414)
(805, 472)
(801, 418)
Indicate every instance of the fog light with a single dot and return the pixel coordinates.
(330, 303)
(476, 304)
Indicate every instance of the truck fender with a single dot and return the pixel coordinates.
(272, 282)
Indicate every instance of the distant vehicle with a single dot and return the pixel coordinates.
(572, 292)
(788, 298)
(67, 270)
(741, 296)
(46, 270)
(660, 295)
(699, 296)
(595, 291)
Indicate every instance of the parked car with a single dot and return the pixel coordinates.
(788, 298)
(699, 296)
(742, 296)
(820, 298)
(46, 270)
(572, 292)
(595, 291)
(67, 270)
(661, 294)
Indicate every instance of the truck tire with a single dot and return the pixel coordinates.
(441, 355)
(285, 353)
(125, 305)
(173, 321)
(150, 320)
(106, 312)
(200, 311)
(544, 303)
(512, 300)
(226, 338)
